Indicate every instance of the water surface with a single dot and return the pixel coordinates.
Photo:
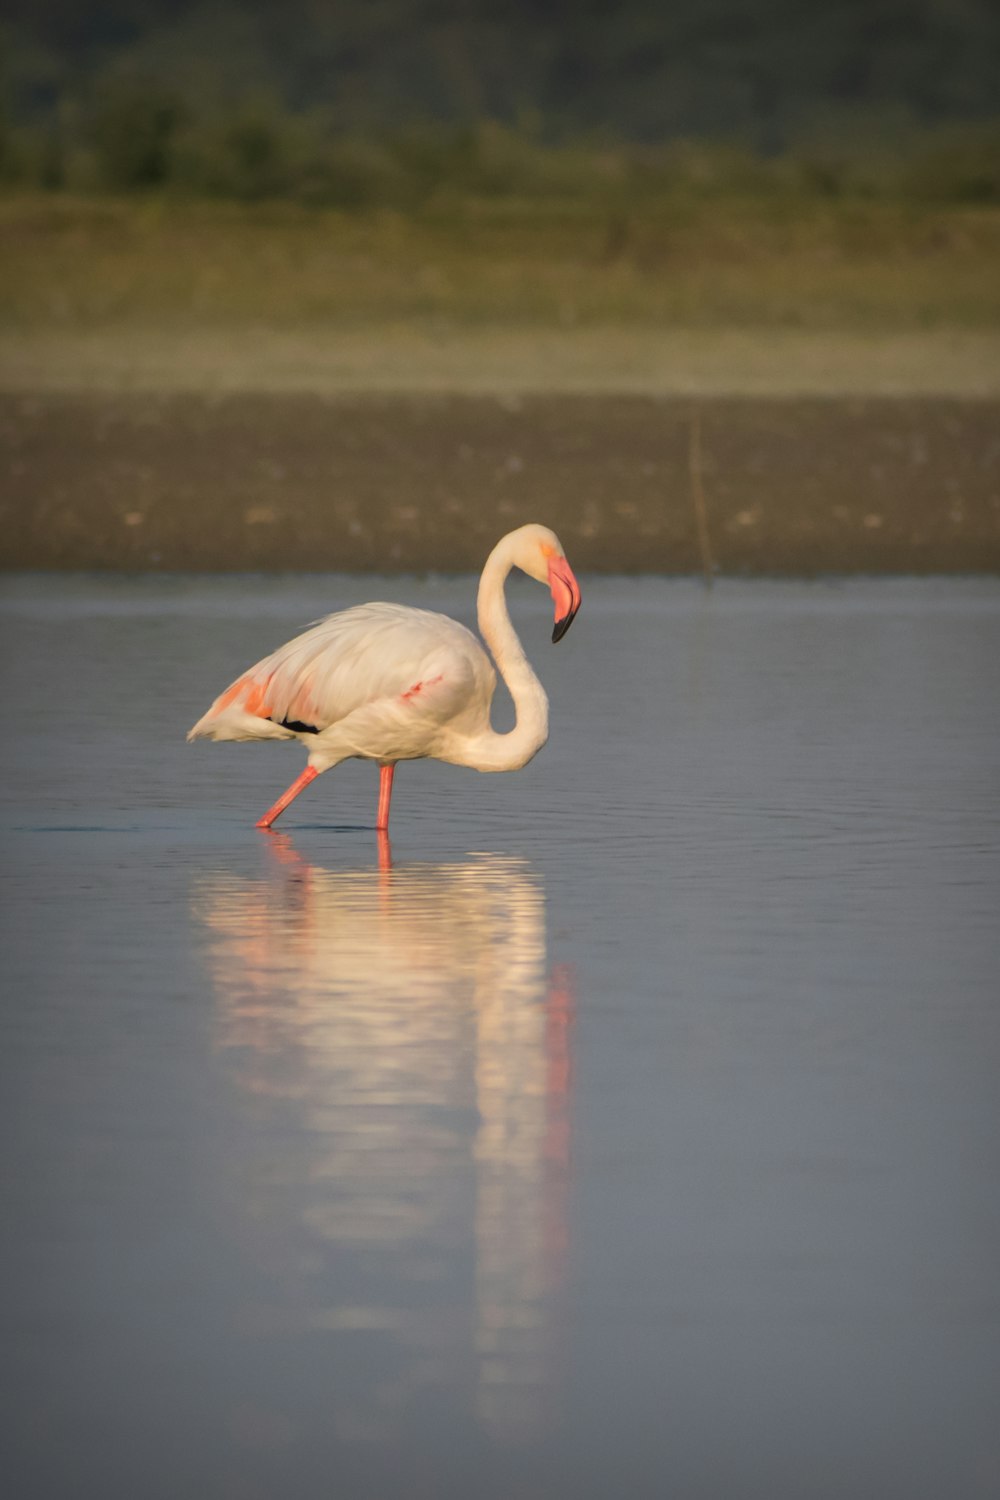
(628, 1127)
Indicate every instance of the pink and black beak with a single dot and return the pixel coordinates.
(565, 593)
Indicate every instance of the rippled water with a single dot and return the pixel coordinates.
(629, 1127)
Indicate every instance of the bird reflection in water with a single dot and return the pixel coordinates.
(404, 1052)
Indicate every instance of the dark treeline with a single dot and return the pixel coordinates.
(383, 101)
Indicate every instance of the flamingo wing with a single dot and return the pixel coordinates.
(376, 654)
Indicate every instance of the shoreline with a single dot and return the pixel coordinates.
(379, 483)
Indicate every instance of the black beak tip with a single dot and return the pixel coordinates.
(560, 628)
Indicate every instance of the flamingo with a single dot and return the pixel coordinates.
(387, 683)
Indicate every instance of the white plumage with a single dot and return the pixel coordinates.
(387, 683)
(331, 676)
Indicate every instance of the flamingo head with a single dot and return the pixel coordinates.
(538, 552)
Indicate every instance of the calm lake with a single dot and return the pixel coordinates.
(631, 1128)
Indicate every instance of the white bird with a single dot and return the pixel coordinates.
(387, 683)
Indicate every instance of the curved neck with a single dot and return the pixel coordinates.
(507, 752)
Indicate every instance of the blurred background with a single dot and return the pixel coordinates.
(660, 201)
(397, 102)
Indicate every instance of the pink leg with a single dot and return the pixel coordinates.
(385, 775)
(298, 785)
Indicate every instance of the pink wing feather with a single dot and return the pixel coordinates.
(352, 659)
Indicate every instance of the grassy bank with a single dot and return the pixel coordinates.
(208, 384)
(773, 295)
(784, 261)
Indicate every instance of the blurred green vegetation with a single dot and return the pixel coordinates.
(764, 71)
(395, 104)
(138, 137)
